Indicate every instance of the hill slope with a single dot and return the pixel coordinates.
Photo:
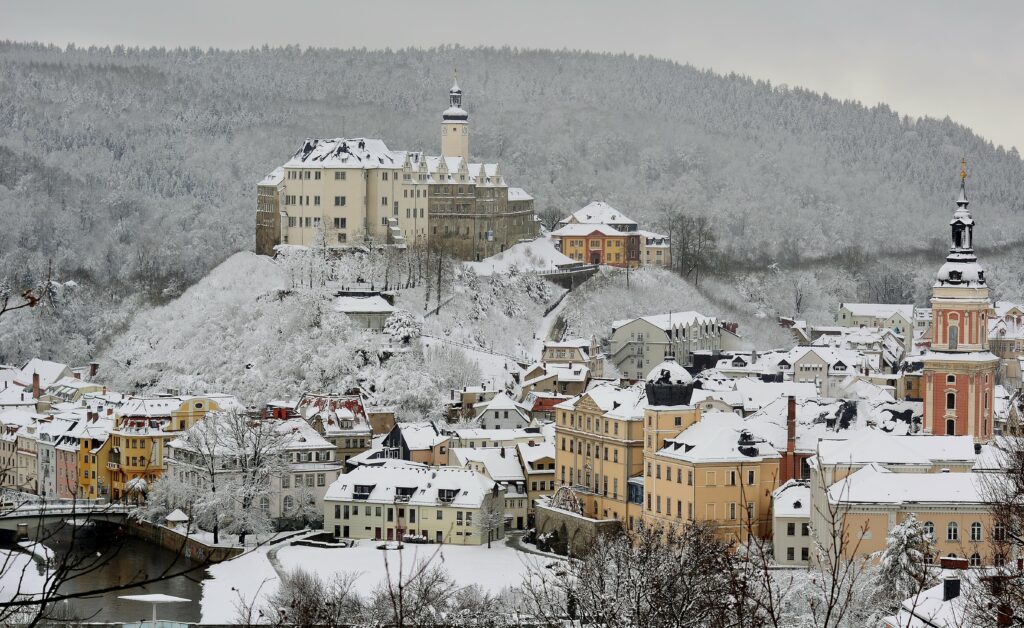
(138, 167)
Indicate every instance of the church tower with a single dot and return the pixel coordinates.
(959, 370)
(455, 126)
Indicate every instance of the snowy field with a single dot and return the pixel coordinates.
(252, 577)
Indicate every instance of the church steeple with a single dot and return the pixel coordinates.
(961, 267)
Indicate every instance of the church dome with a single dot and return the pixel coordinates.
(669, 372)
(961, 274)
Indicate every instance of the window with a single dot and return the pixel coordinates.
(383, 201)
(732, 510)
(951, 379)
(791, 529)
(320, 479)
(805, 529)
(999, 532)
(952, 531)
(316, 199)
(340, 223)
(285, 481)
(339, 175)
(805, 553)
(339, 201)
(975, 560)
(790, 553)
(732, 478)
(950, 427)
(929, 529)
(289, 503)
(951, 401)
(976, 531)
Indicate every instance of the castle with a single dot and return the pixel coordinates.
(355, 191)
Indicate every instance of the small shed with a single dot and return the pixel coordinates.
(176, 519)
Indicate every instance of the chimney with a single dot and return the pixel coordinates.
(94, 367)
(76, 374)
(790, 424)
(110, 411)
(950, 588)
(35, 386)
(104, 390)
(502, 452)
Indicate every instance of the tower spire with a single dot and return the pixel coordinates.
(961, 200)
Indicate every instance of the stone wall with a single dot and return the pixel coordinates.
(575, 531)
(190, 548)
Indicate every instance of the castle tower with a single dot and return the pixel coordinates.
(455, 126)
(959, 370)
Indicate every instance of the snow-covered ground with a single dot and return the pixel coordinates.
(538, 255)
(252, 577)
(20, 575)
(495, 369)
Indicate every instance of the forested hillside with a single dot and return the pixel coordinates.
(132, 172)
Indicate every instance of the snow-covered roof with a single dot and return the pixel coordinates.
(339, 152)
(49, 372)
(670, 321)
(532, 453)
(874, 484)
(370, 304)
(575, 230)
(1003, 308)
(873, 446)
(880, 310)
(792, 499)
(421, 436)
(421, 486)
(518, 194)
(615, 401)
(176, 516)
(536, 255)
(598, 212)
(275, 177)
(956, 356)
(718, 438)
(500, 463)
(669, 372)
(496, 436)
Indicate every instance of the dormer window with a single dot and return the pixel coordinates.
(955, 275)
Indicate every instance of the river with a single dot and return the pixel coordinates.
(111, 559)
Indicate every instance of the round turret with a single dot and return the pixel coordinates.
(669, 372)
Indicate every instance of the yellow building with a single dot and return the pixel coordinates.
(599, 447)
(538, 463)
(952, 507)
(94, 456)
(710, 473)
(142, 429)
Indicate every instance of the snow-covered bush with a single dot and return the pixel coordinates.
(403, 327)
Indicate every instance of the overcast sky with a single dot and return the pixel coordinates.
(963, 59)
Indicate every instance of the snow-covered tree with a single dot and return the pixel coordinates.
(903, 568)
(403, 327)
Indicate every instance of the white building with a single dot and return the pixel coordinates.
(502, 465)
(370, 311)
(501, 413)
(311, 467)
(791, 523)
(395, 501)
(638, 344)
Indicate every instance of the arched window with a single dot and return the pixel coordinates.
(951, 379)
(975, 531)
(952, 532)
(999, 560)
(953, 337)
(975, 559)
(289, 503)
(951, 401)
(929, 530)
(951, 427)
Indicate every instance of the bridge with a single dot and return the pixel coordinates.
(36, 513)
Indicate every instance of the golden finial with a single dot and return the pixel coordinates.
(963, 169)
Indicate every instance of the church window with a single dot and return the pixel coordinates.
(950, 427)
(951, 401)
(951, 379)
(953, 337)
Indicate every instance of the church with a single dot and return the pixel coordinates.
(339, 192)
(959, 370)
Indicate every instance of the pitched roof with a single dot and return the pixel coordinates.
(467, 487)
(369, 304)
(880, 310)
(599, 212)
(339, 152)
(670, 321)
(874, 484)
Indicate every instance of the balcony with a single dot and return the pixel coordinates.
(113, 466)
